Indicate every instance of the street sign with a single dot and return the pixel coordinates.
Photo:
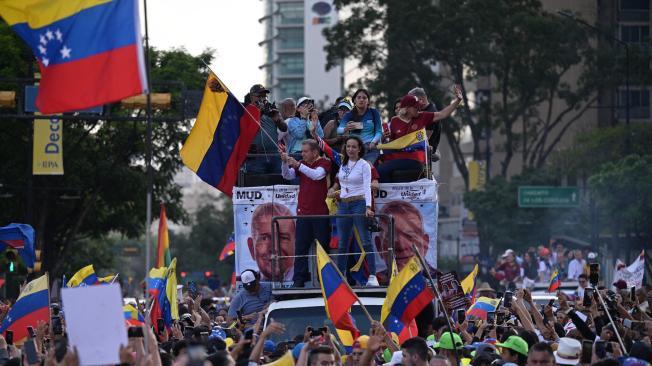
(543, 196)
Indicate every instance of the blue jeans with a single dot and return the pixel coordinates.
(372, 155)
(345, 231)
(386, 169)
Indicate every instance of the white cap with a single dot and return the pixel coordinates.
(304, 99)
(247, 278)
(568, 352)
(508, 252)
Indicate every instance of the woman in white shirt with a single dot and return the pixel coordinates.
(355, 198)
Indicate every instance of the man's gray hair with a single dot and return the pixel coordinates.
(418, 92)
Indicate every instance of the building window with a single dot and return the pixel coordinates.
(291, 13)
(291, 64)
(639, 104)
(290, 38)
(634, 4)
(291, 88)
(635, 33)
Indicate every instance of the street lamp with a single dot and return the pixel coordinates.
(572, 16)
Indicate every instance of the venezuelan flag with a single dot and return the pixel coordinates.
(555, 282)
(219, 140)
(32, 305)
(89, 51)
(469, 284)
(414, 141)
(163, 249)
(107, 279)
(162, 283)
(132, 317)
(407, 295)
(482, 306)
(338, 297)
(229, 248)
(330, 153)
(84, 277)
(20, 237)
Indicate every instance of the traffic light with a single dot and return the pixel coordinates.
(183, 274)
(11, 261)
(207, 274)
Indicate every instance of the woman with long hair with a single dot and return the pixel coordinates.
(364, 122)
(355, 198)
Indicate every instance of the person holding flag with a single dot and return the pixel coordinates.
(409, 126)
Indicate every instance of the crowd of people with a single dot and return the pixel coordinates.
(297, 121)
(537, 264)
(518, 332)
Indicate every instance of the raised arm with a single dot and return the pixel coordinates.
(446, 112)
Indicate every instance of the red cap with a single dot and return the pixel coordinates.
(409, 101)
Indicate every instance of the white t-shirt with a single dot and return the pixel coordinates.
(355, 180)
(575, 268)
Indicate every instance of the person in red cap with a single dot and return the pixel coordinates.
(409, 120)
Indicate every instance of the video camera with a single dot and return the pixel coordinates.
(268, 109)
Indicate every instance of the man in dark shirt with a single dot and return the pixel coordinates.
(312, 171)
(433, 131)
(267, 137)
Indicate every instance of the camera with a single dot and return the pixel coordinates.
(373, 225)
(268, 109)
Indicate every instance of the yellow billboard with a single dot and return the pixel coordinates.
(48, 146)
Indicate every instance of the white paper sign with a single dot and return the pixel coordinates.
(95, 323)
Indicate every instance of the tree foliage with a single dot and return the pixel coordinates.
(199, 249)
(525, 54)
(624, 194)
(104, 163)
(502, 224)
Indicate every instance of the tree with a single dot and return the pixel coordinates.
(503, 225)
(103, 163)
(624, 194)
(524, 52)
(199, 249)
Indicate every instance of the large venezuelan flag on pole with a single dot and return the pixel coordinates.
(89, 51)
(163, 257)
(32, 305)
(407, 295)
(338, 297)
(219, 140)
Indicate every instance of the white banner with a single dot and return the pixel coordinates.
(633, 274)
(413, 206)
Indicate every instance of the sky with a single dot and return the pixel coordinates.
(230, 27)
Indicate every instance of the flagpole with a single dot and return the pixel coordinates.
(148, 162)
(424, 267)
(364, 309)
(242, 105)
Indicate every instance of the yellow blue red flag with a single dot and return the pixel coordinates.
(84, 277)
(555, 282)
(32, 305)
(219, 140)
(338, 297)
(162, 284)
(414, 141)
(89, 51)
(407, 295)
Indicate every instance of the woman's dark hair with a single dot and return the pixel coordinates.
(354, 112)
(393, 110)
(345, 156)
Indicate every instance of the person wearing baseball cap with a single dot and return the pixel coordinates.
(253, 297)
(302, 125)
(410, 120)
(264, 143)
(514, 350)
(448, 345)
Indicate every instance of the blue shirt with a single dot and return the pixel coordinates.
(298, 129)
(249, 303)
(372, 130)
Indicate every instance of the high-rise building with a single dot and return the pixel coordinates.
(295, 60)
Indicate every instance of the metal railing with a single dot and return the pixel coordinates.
(389, 253)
